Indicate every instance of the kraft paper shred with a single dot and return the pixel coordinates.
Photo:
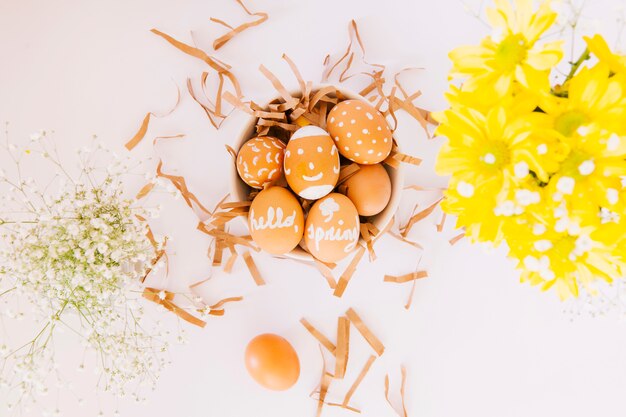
(143, 129)
(458, 237)
(181, 185)
(324, 384)
(419, 216)
(357, 382)
(406, 277)
(234, 31)
(319, 336)
(402, 393)
(152, 294)
(367, 334)
(347, 275)
(342, 353)
(254, 271)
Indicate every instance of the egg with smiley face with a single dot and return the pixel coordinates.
(311, 164)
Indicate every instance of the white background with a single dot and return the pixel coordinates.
(475, 342)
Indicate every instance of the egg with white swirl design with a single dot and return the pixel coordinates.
(311, 163)
(260, 161)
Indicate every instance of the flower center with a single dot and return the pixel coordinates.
(511, 52)
(569, 122)
(495, 155)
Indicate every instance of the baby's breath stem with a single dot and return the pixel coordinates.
(8, 291)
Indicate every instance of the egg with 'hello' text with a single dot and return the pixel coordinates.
(360, 132)
(369, 189)
(311, 163)
(272, 362)
(276, 220)
(332, 228)
(260, 161)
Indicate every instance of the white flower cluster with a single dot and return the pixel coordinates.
(77, 257)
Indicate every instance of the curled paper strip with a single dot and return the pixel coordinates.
(419, 216)
(319, 336)
(234, 31)
(347, 275)
(143, 129)
(152, 294)
(402, 393)
(342, 353)
(180, 184)
(367, 334)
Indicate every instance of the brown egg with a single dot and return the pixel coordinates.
(272, 362)
(311, 163)
(369, 189)
(276, 220)
(332, 228)
(360, 132)
(260, 161)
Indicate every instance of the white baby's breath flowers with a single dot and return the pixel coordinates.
(76, 251)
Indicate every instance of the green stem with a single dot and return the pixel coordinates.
(575, 65)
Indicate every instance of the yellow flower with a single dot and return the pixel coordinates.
(594, 100)
(487, 156)
(598, 47)
(514, 55)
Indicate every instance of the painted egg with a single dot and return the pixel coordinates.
(276, 220)
(311, 163)
(260, 161)
(332, 228)
(369, 189)
(272, 362)
(360, 132)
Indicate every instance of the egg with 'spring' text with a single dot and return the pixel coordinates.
(332, 228)
(311, 163)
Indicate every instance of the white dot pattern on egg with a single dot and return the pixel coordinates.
(260, 161)
(311, 163)
(368, 135)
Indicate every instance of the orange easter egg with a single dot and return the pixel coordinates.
(360, 132)
(332, 228)
(260, 161)
(311, 163)
(276, 220)
(369, 189)
(272, 362)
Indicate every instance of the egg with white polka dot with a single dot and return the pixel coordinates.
(311, 163)
(360, 132)
(260, 161)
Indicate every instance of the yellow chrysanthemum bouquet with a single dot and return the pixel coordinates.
(541, 167)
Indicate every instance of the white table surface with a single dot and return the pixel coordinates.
(475, 342)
